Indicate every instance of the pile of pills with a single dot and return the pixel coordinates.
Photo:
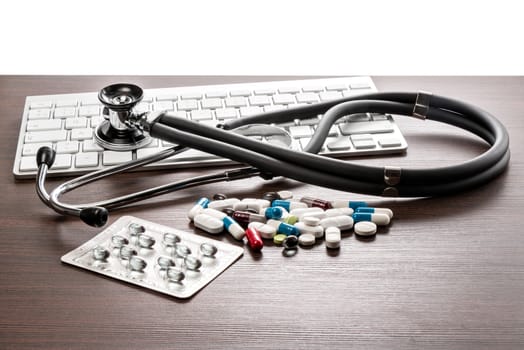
(287, 221)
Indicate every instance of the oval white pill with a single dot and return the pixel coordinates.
(214, 213)
(333, 237)
(342, 222)
(306, 239)
(317, 214)
(365, 228)
(208, 223)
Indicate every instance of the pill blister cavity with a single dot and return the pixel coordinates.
(146, 241)
(100, 253)
(135, 229)
(192, 263)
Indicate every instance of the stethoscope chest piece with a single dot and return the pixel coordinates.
(114, 133)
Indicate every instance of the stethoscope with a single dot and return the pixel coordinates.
(256, 141)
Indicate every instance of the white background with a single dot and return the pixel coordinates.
(262, 37)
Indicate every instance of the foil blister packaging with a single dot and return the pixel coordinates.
(154, 256)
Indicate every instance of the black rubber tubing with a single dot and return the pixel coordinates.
(343, 175)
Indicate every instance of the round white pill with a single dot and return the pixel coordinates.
(311, 220)
(306, 239)
(365, 228)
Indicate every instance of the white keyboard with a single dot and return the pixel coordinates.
(67, 123)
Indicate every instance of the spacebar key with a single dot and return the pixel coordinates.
(375, 127)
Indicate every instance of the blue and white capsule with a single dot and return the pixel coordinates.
(200, 205)
(283, 228)
(274, 213)
(348, 204)
(288, 205)
(233, 228)
(372, 210)
(378, 219)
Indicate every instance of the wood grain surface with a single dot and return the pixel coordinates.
(447, 274)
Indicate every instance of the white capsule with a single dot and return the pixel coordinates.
(257, 205)
(342, 222)
(214, 213)
(333, 237)
(306, 239)
(266, 231)
(285, 194)
(208, 223)
(379, 219)
(223, 203)
(197, 208)
(315, 230)
(339, 211)
(372, 210)
(300, 211)
(365, 228)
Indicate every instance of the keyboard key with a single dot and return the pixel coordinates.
(116, 157)
(31, 149)
(191, 96)
(264, 92)
(284, 99)
(377, 116)
(274, 108)
(187, 105)
(75, 123)
(142, 107)
(226, 113)
(238, 101)
(336, 87)
(153, 143)
(307, 97)
(312, 121)
(86, 160)
(41, 104)
(216, 94)
(366, 127)
(359, 117)
(236, 93)
(289, 90)
(163, 106)
(389, 142)
(148, 97)
(145, 152)
(62, 161)
(313, 89)
(359, 86)
(85, 111)
(212, 103)
(202, 114)
(47, 124)
(341, 143)
(261, 100)
(45, 136)
(96, 120)
(81, 134)
(28, 164)
(42, 113)
(65, 112)
(90, 100)
(91, 146)
(330, 95)
(67, 147)
(300, 131)
(247, 111)
(363, 141)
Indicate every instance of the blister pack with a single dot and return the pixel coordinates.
(154, 256)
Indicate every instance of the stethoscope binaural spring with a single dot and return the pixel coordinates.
(233, 140)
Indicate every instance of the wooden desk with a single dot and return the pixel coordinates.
(447, 274)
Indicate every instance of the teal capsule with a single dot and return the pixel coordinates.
(283, 228)
(288, 205)
(348, 204)
(273, 213)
